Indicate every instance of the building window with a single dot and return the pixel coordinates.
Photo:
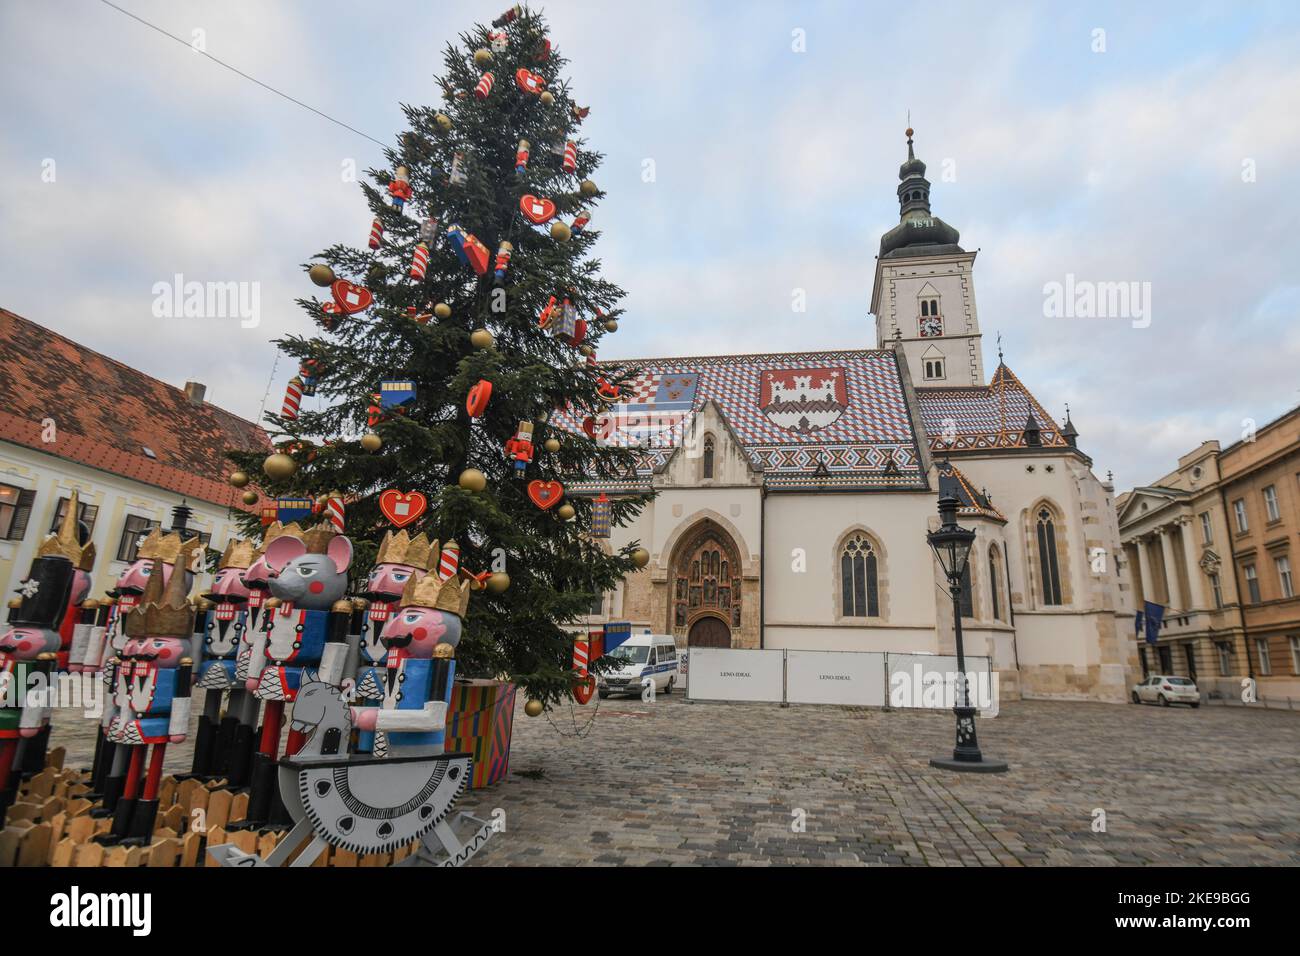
(995, 598)
(1252, 583)
(1261, 652)
(1207, 531)
(1217, 589)
(1270, 504)
(934, 368)
(1284, 576)
(1049, 571)
(85, 514)
(597, 608)
(708, 456)
(15, 509)
(1239, 510)
(1294, 641)
(967, 599)
(859, 584)
(1225, 658)
(133, 532)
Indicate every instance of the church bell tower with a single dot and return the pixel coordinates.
(923, 294)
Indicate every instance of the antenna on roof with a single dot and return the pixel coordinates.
(999, 348)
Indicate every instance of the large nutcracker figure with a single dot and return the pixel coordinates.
(151, 698)
(400, 560)
(158, 554)
(420, 640)
(221, 626)
(306, 626)
(31, 645)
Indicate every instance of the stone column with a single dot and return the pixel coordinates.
(1194, 582)
(1174, 586)
(1144, 571)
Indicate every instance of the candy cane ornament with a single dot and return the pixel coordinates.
(292, 399)
(484, 88)
(334, 511)
(376, 233)
(449, 561)
(570, 163)
(419, 262)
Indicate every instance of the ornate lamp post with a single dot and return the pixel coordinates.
(952, 546)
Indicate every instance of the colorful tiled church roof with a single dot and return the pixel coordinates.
(107, 414)
(973, 503)
(970, 417)
(805, 419)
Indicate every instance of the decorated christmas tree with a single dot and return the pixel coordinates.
(470, 313)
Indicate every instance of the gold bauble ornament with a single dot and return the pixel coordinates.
(481, 339)
(238, 478)
(586, 350)
(588, 188)
(321, 274)
(541, 418)
(482, 57)
(552, 445)
(371, 442)
(250, 497)
(471, 479)
(611, 325)
(640, 557)
(498, 582)
(548, 98)
(566, 512)
(560, 232)
(442, 310)
(443, 121)
(279, 466)
(533, 708)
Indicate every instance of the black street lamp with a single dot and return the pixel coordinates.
(952, 546)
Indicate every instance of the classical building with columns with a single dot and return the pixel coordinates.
(1211, 543)
(794, 491)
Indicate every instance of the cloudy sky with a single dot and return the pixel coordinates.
(1155, 145)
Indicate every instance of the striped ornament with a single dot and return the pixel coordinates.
(376, 233)
(419, 262)
(449, 561)
(570, 157)
(581, 650)
(334, 511)
(484, 86)
(292, 398)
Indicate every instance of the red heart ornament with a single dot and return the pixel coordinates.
(477, 401)
(545, 494)
(589, 426)
(401, 509)
(350, 298)
(583, 688)
(529, 82)
(537, 210)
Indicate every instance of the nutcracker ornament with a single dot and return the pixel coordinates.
(32, 644)
(521, 158)
(504, 252)
(399, 189)
(520, 448)
(498, 41)
(152, 699)
(223, 745)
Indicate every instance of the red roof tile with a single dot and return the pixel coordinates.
(107, 413)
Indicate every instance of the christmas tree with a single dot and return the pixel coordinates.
(428, 309)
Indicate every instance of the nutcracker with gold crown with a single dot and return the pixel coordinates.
(306, 626)
(158, 554)
(151, 698)
(400, 560)
(31, 645)
(222, 621)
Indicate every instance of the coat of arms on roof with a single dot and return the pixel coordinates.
(804, 400)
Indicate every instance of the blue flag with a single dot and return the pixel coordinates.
(1153, 615)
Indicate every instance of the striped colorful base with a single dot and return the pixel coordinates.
(479, 721)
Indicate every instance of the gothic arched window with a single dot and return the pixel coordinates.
(859, 583)
(996, 600)
(1049, 570)
(708, 456)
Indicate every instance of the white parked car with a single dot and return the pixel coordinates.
(641, 657)
(1162, 689)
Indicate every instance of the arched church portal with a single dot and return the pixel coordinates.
(705, 587)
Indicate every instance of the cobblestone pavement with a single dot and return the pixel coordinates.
(717, 784)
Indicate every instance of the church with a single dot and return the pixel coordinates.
(795, 490)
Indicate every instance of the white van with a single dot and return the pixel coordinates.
(639, 657)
